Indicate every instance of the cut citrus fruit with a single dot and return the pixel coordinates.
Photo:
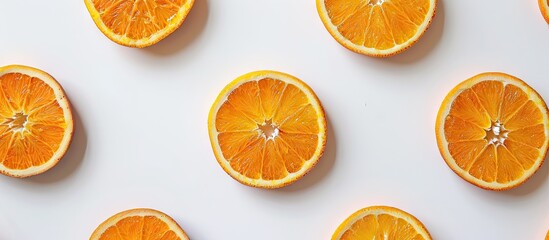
(544, 7)
(378, 28)
(381, 222)
(547, 236)
(267, 129)
(138, 23)
(36, 123)
(139, 223)
(492, 130)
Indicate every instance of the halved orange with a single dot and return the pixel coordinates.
(493, 131)
(138, 23)
(544, 7)
(378, 28)
(381, 222)
(267, 129)
(36, 123)
(140, 223)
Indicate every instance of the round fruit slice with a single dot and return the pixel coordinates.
(138, 23)
(544, 6)
(35, 121)
(547, 236)
(267, 129)
(381, 222)
(139, 223)
(492, 130)
(378, 28)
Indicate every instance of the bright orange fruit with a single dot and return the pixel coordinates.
(544, 7)
(139, 224)
(493, 131)
(381, 222)
(138, 23)
(267, 129)
(378, 28)
(36, 123)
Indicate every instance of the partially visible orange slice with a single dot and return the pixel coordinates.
(378, 28)
(544, 7)
(493, 131)
(547, 236)
(381, 222)
(36, 123)
(139, 223)
(138, 23)
(267, 129)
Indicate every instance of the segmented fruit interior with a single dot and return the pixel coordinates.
(495, 131)
(267, 129)
(137, 19)
(379, 24)
(139, 227)
(381, 226)
(33, 123)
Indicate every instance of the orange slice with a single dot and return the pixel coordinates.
(378, 28)
(35, 121)
(267, 129)
(381, 222)
(492, 130)
(547, 236)
(138, 23)
(544, 7)
(139, 223)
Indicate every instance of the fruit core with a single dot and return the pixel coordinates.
(375, 2)
(268, 130)
(17, 122)
(496, 134)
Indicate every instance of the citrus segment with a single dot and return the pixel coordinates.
(267, 129)
(303, 121)
(528, 115)
(376, 27)
(466, 106)
(270, 92)
(138, 23)
(493, 131)
(246, 100)
(146, 224)
(513, 99)
(292, 100)
(36, 121)
(459, 130)
(489, 96)
(231, 120)
(466, 152)
(381, 222)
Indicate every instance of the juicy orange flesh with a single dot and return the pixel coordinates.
(382, 226)
(139, 227)
(32, 122)
(137, 19)
(469, 130)
(242, 117)
(379, 24)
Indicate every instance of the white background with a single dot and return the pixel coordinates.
(141, 121)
